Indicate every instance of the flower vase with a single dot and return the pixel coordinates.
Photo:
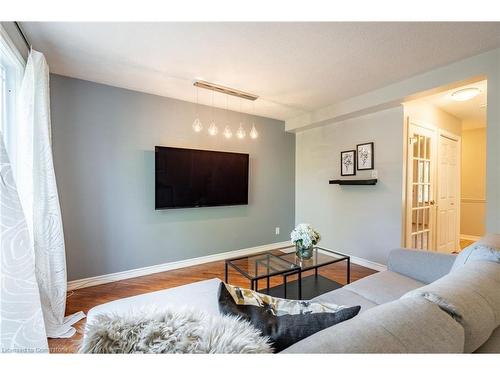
(302, 252)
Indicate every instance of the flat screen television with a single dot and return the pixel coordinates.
(198, 178)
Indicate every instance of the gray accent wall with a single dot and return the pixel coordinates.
(362, 221)
(103, 144)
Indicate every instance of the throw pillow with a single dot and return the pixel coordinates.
(477, 251)
(285, 322)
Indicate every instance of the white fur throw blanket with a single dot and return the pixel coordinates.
(171, 331)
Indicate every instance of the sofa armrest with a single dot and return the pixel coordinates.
(424, 266)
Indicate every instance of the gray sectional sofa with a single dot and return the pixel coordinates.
(423, 303)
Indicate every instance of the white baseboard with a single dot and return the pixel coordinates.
(469, 237)
(104, 279)
(368, 264)
(117, 276)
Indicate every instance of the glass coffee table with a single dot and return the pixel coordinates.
(262, 267)
(283, 262)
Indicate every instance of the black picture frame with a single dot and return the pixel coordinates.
(353, 158)
(361, 164)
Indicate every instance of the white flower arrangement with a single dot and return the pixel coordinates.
(304, 236)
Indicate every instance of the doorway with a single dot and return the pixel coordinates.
(444, 197)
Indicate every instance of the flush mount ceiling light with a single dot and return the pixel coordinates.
(465, 94)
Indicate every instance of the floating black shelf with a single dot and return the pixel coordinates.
(372, 181)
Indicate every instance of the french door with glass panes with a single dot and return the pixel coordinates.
(420, 205)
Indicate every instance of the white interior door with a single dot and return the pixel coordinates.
(420, 170)
(448, 193)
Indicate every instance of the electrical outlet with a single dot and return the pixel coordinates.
(374, 174)
(277, 231)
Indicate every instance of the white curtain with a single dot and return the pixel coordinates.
(21, 320)
(35, 178)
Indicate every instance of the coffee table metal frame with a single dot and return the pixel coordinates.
(339, 258)
(271, 271)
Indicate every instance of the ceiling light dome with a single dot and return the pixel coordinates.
(465, 94)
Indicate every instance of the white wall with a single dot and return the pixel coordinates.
(473, 192)
(363, 221)
(483, 66)
(424, 113)
(103, 142)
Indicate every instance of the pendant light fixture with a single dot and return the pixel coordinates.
(197, 125)
(212, 128)
(227, 130)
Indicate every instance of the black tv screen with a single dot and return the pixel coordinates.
(199, 178)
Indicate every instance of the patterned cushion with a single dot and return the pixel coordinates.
(278, 306)
(284, 321)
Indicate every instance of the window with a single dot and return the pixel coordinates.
(11, 68)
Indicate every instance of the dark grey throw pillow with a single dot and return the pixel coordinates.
(267, 314)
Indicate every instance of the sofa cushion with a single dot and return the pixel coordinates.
(201, 295)
(284, 321)
(345, 297)
(421, 265)
(473, 292)
(383, 286)
(410, 325)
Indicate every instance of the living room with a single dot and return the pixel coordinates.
(250, 187)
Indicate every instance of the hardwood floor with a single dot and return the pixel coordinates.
(465, 243)
(86, 298)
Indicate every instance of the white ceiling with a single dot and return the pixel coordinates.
(472, 112)
(294, 67)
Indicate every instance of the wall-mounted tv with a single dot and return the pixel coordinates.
(198, 178)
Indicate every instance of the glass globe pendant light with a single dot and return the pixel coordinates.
(241, 133)
(197, 125)
(253, 132)
(228, 133)
(212, 129)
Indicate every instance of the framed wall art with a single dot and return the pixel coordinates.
(348, 163)
(365, 156)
